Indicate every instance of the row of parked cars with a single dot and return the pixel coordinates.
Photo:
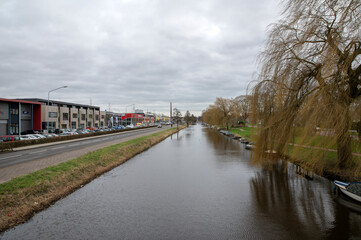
(55, 133)
(30, 135)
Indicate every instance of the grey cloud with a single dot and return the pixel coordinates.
(123, 52)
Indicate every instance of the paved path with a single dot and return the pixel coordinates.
(11, 172)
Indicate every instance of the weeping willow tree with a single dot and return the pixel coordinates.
(224, 112)
(309, 78)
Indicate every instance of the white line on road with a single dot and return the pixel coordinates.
(38, 152)
(10, 157)
(57, 147)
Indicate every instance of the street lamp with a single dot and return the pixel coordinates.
(47, 109)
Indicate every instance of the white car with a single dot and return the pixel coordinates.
(66, 134)
(27, 137)
(39, 135)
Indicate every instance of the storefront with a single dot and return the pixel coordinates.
(18, 116)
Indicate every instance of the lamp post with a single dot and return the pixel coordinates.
(47, 109)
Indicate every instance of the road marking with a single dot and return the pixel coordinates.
(10, 157)
(58, 147)
(38, 152)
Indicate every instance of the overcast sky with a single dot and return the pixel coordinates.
(124, 52)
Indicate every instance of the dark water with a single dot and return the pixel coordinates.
(197, 185)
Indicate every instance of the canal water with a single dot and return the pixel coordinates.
(197, 184)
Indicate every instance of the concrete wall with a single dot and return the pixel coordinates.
(90, 117)
(102, 119)
(74, 119)
(64, 123)
(44, 115)
(82, 123)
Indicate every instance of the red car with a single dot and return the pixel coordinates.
(10, 138)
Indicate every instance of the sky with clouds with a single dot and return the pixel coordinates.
(123, 52)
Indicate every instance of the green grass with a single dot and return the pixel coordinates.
(327, 142)
(245, 132)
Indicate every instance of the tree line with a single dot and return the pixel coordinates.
(228, 113)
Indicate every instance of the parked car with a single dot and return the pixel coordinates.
(159, 126)
(39, 135)
(130, 126)
(28, 137)
(66, 134)
(10, 138)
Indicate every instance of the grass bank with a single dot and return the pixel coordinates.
(318, 147)
(24, 196)
(244, 132)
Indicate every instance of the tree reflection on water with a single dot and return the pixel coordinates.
(304, 208)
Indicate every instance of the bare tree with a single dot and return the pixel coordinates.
(177, 115)
(224, 112)
(310, 75)
(212, 116)
(244, 107)
(187, 117)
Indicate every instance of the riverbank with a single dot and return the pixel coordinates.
(24, 196)
(299, 155)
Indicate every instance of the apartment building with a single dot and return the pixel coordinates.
(65, 115)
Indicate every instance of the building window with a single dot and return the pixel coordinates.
(14, 111)
(90, 115)
(65, 116)
(89, 124)
(64, 126)
(51, 125)
(97, 117)
(75, 115)
(82, 125)
(102, 116)
(14, 129)
(53, 114)
(83, 117)
(73, 125)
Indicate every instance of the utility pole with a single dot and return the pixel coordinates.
(171, 120)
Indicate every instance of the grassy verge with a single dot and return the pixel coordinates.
(24, 196)
(244, 132)
(326, 164)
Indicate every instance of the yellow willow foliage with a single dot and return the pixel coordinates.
(309, 80)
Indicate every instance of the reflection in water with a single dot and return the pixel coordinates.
(304, 208)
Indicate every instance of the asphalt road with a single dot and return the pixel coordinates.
(45, 151)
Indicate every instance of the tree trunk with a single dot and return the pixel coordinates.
(344, 153)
